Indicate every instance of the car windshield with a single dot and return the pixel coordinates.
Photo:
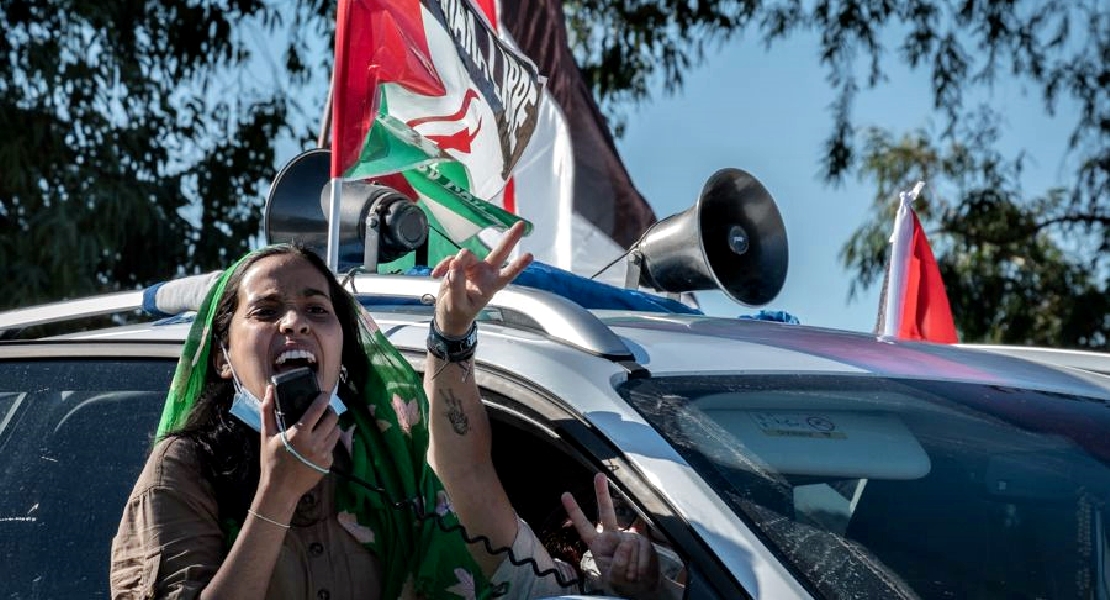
(73, 437)
(868, 487)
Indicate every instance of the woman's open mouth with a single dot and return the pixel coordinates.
(294, 358)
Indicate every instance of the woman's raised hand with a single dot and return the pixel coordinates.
(469, 283)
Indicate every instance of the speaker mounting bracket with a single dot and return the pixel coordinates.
(633, 268)
(376, 233)
(372, 240)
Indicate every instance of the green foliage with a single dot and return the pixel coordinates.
(1059, 48)
(122, 119)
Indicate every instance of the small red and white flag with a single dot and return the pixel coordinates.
(914, 305)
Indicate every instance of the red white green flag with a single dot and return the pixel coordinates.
(450, 90)
(429, 101)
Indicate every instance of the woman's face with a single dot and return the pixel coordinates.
(284, 320)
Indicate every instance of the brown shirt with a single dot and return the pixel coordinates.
(170, 545)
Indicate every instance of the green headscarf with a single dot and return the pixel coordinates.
(388, 450)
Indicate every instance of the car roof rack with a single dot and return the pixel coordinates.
(559, 318)
(68, 310)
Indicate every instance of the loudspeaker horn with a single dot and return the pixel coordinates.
(293, 212)
(376, 223)
(733, 240)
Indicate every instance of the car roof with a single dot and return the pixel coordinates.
(684, 343)
(664, 343)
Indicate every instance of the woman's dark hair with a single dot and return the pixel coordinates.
(227, 449)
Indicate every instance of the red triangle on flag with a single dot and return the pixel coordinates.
(376, 42)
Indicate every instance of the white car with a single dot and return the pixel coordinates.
(775, 460)
(771, 460)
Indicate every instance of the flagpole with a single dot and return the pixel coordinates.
(336, 120)
(336, 198)
(325, 121)
(900, 242)
(333, 224)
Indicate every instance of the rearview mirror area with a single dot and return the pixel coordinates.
(822, 443)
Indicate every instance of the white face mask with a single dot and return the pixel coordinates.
(248, 408)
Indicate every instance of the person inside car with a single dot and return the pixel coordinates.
(362, 497)
(609, 557)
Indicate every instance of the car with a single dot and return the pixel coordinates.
(775, 460)
(770, 459)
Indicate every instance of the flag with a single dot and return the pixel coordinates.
(429, 101)
(914, 304)
(463, 97)
(571, 182)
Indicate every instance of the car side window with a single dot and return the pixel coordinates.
(535, 470)
(73, 437)
(536, 467)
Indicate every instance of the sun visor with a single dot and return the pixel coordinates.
(822, 443)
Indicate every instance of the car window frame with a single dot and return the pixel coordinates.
(708, 577)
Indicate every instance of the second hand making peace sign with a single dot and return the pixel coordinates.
(626, 558)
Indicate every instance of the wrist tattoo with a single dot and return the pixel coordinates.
(455, 414)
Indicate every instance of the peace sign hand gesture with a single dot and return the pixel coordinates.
(627, 560)
(469, 283)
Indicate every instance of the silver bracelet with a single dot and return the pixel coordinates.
(267, 519)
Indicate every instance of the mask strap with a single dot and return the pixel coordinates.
(234, 376)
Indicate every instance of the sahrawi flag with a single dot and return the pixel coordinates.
(915, 304)
(437, 99)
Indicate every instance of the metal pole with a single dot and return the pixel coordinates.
(333, 224)
(336, 195)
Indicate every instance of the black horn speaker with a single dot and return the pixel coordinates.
(376, 223)
(733, 240)
(293, 211)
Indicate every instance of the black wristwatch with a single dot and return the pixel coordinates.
(451, 348)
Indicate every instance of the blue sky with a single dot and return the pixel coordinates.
(766, 112)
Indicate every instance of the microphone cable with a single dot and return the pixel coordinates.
(416, 504)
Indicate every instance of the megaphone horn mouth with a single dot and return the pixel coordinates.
(292, 212)
(733, 240)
